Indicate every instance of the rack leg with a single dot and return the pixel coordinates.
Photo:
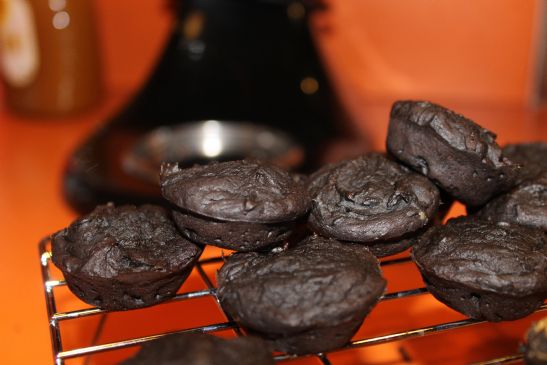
(324, 359)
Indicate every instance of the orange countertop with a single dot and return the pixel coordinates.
(33, 154)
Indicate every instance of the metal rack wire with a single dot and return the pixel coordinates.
(60, 354)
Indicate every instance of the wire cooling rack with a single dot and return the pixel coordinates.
(60, 354)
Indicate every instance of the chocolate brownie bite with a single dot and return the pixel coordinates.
(309, 298)
(535, 347)
(240, 205)
(388, 248)
(532, 158)
(202, 349)
(238, 236)
(457, 154)
(238, 191)
(126, 257)
(319, 178)
(372, 200)
(526, 204)
(484, 270)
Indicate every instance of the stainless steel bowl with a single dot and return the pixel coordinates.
(209, 140)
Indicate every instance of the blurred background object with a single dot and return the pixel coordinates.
(49, 56)
(229, 64)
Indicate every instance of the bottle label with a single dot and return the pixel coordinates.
(19, 57)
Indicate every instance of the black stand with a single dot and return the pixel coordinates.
(239, 60)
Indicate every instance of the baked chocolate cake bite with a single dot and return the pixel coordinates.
(526, 204)
(532, 158)
(240, 205)
(484, 270)
(319, 178)
(126, 257)
(388, 248)
(371, 200)
(237, 191)
(535, 348)
(458, 155)
(202, 349)
(238, 236)
(310, 298)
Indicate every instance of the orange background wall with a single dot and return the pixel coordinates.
(471, 51)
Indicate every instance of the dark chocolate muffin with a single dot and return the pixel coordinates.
(484, 270)
(457, 154)
(126, 257)
(535, 348)
(526, 204)
(387, 248)
(310, 298)
(319, 178)
(373, 200)
(238, 236)
(238, 191)
(532, 158)
(240, 205)
(202, 349)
